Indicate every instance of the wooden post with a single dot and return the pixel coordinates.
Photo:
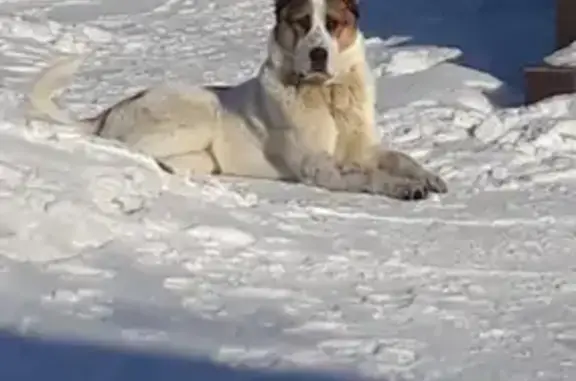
(546, 80)
(565, 23)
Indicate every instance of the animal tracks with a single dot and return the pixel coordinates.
(217, 237)
(83, 303)
(79, 270)
(261, 293)
(565, 334)
(395, 300)
(144, 335)
(180, 284)
(400, 354)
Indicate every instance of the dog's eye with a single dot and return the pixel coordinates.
(332, 24)
(304, 22)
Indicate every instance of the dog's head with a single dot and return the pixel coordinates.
(314, 35)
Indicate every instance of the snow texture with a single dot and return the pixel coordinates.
(113, 270)
(563, 57)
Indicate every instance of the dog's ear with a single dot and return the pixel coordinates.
(352, 6)
(279, 5)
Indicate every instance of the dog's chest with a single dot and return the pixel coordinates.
(339, 107)
(335, 98)
(342, 99)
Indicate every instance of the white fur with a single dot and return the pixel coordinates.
(323, 136)
(317, 37)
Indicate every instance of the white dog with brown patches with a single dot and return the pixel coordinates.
(307, 116)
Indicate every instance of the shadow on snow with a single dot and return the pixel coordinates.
(34, 358)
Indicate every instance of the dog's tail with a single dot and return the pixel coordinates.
(53, 78)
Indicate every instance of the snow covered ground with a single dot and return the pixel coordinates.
(98, 247)
(563, 57)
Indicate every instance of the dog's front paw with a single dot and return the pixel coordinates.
(434, 183)
(400, 188)
(410, 190)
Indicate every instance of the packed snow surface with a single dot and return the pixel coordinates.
(103, 256)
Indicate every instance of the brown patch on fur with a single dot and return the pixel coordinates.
(342, 21)
(282, 7)
(297, 13)
(293, 21)
(279, 7)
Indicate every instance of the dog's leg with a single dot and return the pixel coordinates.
(358, 155)
(315, 168)
(400, 164)
(291, 153)
(180, 151)
(392, 173)
(194, 163)
(322, 170)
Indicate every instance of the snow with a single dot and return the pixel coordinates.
(565, 57)
(111, 269)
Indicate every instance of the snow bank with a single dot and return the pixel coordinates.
(563, 57)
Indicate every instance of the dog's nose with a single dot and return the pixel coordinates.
(318, 58)
(318, 55)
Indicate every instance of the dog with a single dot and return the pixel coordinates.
(307, 116)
